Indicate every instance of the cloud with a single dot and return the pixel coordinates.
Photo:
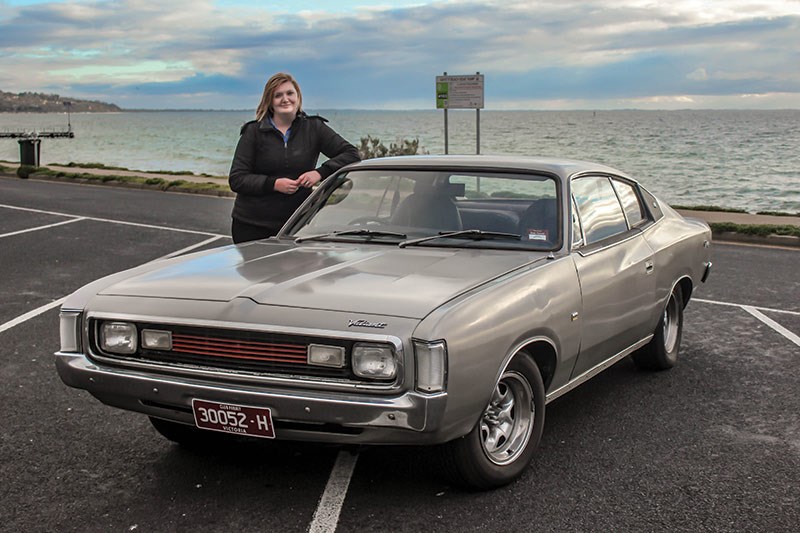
(699, 74)
(145, 53)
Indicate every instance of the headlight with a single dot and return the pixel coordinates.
(156, 339)
(322, 355)
(118, 337)
(431, 365)
(70, 330)
(374, 361)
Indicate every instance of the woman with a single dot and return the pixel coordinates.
(275, 163)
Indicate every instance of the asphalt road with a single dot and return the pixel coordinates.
(712, 445)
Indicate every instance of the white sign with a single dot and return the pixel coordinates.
(459, 92)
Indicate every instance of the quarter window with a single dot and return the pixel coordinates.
(652, 205)
(600, 211)
(630, 202)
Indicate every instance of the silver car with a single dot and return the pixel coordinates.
(440, 300)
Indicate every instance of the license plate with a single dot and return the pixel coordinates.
(234, 419)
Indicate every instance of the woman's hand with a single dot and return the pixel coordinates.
(309, 179)
(286, 185)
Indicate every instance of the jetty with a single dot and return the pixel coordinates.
(30, 141)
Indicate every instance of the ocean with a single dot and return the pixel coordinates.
(738, 159)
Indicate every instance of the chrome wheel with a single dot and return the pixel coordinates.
(508, 420)
(500, 446)
(661, 352)
(671, 324)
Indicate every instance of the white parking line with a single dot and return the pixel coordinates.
(112, 221)
(742, 306)
(30, 314)
(771, 323)
(41, 227)
(326, 517)
(756, 312)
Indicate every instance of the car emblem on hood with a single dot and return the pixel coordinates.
(365, 324)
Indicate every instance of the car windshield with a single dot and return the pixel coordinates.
(456, 208)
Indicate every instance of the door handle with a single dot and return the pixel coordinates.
(648, 267)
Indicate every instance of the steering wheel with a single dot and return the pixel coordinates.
(366, 221)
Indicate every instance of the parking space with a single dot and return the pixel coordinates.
(53, 262)
(713, 444)
(13, 221)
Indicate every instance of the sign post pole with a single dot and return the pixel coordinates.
(478, 131)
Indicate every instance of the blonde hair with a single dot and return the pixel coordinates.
(265, 107)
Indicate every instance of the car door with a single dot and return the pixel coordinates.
(615, 268)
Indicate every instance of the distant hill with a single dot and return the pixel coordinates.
(50, 103)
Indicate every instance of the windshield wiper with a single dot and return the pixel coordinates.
(352, 232)
(473, 234)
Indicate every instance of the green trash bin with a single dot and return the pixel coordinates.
(29, 152)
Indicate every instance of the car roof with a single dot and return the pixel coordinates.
(563, 168)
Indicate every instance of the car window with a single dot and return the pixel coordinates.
(651, 203)
(600, 211)
(577, 234)
(501, 187)
(630, 202)
(420, 203)
(376, 195)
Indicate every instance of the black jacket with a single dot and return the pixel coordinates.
(261, 157)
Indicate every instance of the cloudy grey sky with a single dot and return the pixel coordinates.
(535, 54)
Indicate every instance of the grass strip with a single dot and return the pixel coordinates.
(715, 208)
(760, 230)
(102, 166)
(158, 183)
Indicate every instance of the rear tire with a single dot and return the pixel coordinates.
(661, 353)
(502, 443)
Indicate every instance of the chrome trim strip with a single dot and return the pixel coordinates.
(634, 232)
(596, 370)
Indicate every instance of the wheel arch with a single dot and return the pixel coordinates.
(686, 286)
(543, 353)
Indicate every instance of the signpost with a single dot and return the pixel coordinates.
(460, 92)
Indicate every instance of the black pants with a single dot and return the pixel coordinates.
(243, 232)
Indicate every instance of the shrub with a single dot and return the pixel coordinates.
(26, 170)
(372, 148)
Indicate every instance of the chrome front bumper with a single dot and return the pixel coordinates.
(407, 418)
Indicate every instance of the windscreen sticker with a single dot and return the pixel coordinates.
(537, 234)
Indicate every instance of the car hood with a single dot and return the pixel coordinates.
(369, 279)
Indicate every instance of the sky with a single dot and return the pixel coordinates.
(351, 54)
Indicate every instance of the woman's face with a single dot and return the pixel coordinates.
(284, 100)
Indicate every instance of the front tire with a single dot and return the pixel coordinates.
(502, 443)
(661, 353)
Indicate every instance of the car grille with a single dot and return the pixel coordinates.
(235, 350)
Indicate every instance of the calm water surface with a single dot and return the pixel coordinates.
(743, 159)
